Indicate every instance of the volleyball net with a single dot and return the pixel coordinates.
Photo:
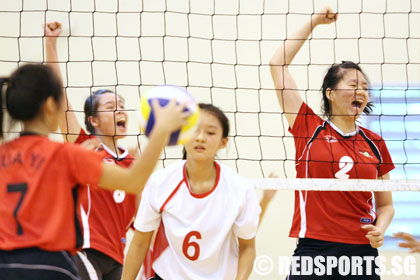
(219, 51)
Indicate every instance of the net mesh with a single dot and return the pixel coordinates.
(220, 51)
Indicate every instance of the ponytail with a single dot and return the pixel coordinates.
(2, 82)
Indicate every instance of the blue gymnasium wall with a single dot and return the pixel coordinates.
(396, 117)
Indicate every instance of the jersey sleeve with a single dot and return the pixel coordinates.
(306, 122)
(148, 216)
(82, 137)
(85, 166)
(246, 224)
(387, 164)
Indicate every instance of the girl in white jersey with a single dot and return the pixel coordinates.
(334, 223)
(206, 214)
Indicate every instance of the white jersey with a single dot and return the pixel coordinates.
(198, 233)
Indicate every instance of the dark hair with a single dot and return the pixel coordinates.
(91, 107)
(332, 78)
(27, 89)
(215, 111)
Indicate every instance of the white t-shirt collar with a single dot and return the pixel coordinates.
(349, 134)
(113, 154)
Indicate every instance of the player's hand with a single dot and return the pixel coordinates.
(374, 235)
(324, 16)
(53, 29)
(92, 144)
(410, 243)
(170, 117)
(268, 195)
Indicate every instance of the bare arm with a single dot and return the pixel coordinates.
(136, 253)
(268, 196)
(265, 201)
(132, 180)
(384, 214)
(285, 85)
(138, 200)
(247, 255)
(69, 125)
(410, 242)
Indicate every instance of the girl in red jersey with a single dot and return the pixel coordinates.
(39, 178)
(334, 223)
(205, 213)
(106, 214)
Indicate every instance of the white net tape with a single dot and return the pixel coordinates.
(220, 50)
(337, 184)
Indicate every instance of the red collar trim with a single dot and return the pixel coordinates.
(170, 196)
(202, 195)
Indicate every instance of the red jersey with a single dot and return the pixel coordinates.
(106, 214)
(323, 151)
(38, 185)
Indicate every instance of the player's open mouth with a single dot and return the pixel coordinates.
(199, 148)
(121, 124)
(357, 103)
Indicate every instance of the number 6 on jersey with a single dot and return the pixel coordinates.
(188, 244)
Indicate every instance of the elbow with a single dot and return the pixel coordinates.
(272, 62)
(277, 68)
(392, 211)
(276, 63)
(279, 58)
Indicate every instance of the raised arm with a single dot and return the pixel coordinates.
(69, 125)
(132, 180)
(286, 88)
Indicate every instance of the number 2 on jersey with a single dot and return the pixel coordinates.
(187, 244)
(22, 187)
(345, 164)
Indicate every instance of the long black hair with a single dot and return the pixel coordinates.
(26, 90)
(91, 107)
(332, 78)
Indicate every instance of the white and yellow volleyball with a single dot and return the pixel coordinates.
(164, 94)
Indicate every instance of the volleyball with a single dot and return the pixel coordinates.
(164, 94)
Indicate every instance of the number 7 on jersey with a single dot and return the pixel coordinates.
(22, 187)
